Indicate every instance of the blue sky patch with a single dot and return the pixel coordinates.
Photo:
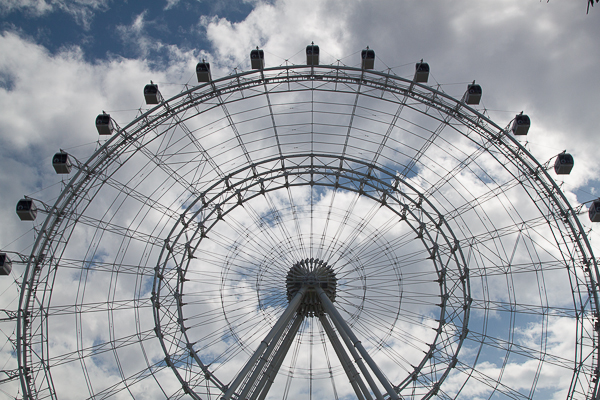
(111, 31)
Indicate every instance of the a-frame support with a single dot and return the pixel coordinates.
(256, 377)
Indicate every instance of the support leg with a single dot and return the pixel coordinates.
(258, 370)
(271, 339)
(268, 378)
(354, 344)
(355, 380)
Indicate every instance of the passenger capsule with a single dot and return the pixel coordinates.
(61, 163)
(473, 94)
(5, 264)
(367, 59)
(521, 124)
(563, 164)
(104, 124)
(421, 72)
(203, 72)
(594, 211)
(151, 93)
(312, 54)
(26, 210)
(257, 59)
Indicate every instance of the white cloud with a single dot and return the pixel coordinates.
(81, 10)
(526, 56)
(281, 28)
(535, 57)
(136, 37)
(37, 7)
(171, 4)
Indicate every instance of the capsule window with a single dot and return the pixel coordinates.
(564, 164)
(61, 163)
(26, 210)
(367, 59)
(521, 125)
(421, 72)
(151, 89)
(257, 59)
(5, 264)
(103, 119)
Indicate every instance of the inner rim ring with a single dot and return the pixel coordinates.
(240, 186)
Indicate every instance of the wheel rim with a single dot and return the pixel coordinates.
(355, 129)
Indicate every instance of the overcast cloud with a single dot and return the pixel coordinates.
(537, 57)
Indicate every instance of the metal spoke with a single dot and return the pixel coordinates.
(308, 232)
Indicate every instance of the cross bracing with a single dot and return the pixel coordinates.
(187, 220)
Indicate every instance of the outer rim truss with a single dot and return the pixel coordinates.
(70, 207)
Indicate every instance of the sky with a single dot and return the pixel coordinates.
(63, 62)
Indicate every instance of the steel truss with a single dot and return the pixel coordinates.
(387, 180)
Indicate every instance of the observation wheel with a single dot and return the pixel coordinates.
(315, 231)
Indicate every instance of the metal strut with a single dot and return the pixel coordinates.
(269, 376)
(268, 342)
(259, 372)
(356, 381)
(354, 344)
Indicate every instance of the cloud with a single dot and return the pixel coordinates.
(171, 4)
(37, 7)
(277, 28)
(157, 54)
(528, 56)
(82, 11)
(136, 37)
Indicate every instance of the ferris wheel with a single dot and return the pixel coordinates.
(309, 231)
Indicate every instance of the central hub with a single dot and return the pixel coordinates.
(311, 272)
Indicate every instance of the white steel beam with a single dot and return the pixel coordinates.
(355, 380)
(277, 330)
(354, 344)
(268, 378)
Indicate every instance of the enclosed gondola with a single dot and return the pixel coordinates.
(62, 163)
(367, 59)
(26, 210)
(594, 211)
(473, 94)
(312, 54)
(421, 72)
(257, 59)
(521, 124)
(104, 124)
(151, 93)
(5, 264)
(564, 163)
(251, 183)
(203, 72)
